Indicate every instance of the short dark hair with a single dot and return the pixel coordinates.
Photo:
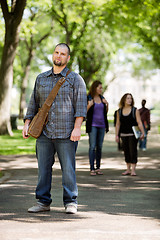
(143, 102)
(64, 45)
(92, 90)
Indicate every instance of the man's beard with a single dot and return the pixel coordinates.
(58, 63)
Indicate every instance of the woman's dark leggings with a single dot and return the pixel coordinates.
(130, 149)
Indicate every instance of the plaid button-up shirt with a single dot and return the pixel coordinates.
(70, 102)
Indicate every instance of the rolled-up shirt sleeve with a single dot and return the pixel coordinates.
(80, 97)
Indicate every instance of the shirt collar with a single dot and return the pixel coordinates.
(62, 73)
(49, 72)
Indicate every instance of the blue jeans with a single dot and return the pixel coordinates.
(96, 137)
(45, 151)
(143, 142)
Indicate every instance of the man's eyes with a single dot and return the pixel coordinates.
(60, 53)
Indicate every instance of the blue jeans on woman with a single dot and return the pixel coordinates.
(45, 152)
(96, 137)
(143, 142)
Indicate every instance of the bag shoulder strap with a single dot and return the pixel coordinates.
(120, 112)
(134, 112)
(52, 95)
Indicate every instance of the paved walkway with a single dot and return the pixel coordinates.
(111, 206)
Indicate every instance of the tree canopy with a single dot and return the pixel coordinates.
(95, 31)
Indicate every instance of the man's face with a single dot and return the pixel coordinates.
(60, 56)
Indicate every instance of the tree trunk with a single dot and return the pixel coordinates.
(24, 84)
(12, 27)
(6, 79)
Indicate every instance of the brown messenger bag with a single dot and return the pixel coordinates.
(40, 119)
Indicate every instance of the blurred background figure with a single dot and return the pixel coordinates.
(120, 147)
(128, 116)
(145, 118)
(96, 125)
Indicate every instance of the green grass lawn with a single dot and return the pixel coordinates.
(1, 174)
(16, 144)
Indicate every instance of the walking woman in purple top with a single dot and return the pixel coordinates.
(96, 125)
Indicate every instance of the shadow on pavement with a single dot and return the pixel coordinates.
(110, 193)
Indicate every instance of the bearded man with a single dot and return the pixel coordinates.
(62, 131)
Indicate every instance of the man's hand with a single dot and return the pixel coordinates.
(76, 134)
(25, 129)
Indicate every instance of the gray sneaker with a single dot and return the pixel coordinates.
(71, 208)
(39, 208)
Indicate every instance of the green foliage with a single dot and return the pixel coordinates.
(140, 61)
(75, 22)
(36, 26)
(90, 52)
(140, 19)
(95, 30)
(93, 59)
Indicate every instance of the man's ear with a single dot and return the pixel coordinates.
(68, 59)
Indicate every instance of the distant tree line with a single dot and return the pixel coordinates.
(95, 31)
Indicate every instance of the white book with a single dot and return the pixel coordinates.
(137, 132)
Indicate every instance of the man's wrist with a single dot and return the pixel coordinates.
(78, 128)
(27, 122)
